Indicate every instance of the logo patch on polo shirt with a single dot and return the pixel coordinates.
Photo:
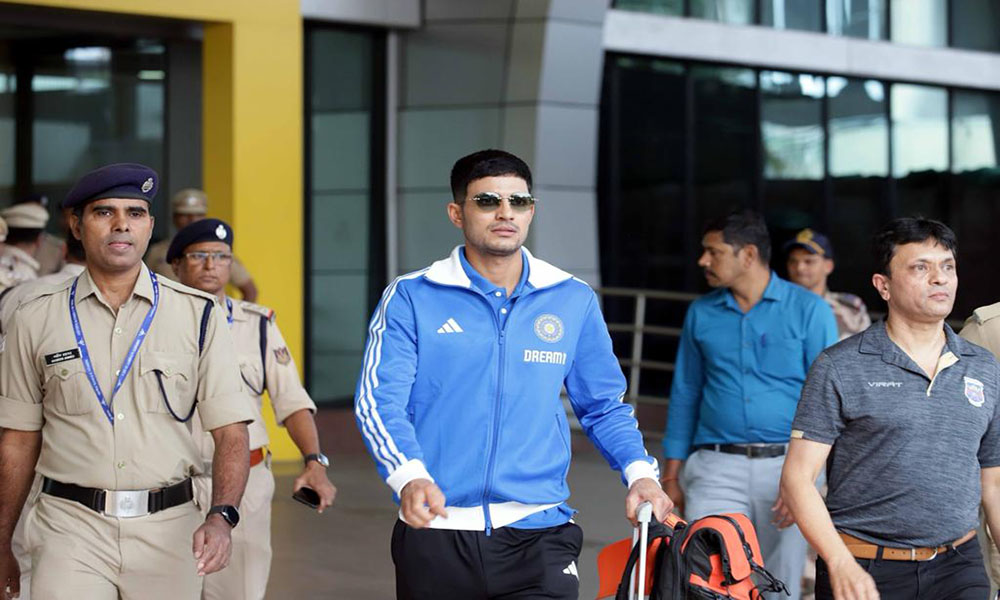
(58, 357)
(975, 392)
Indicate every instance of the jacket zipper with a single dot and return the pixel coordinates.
(491, 457)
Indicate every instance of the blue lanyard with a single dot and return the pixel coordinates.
(129, 358)
(229, 308)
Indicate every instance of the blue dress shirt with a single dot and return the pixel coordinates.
(738, 376)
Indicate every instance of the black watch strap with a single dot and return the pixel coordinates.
(229, 513)
(318, 457)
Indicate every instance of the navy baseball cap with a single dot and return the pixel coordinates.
(122, 180)
(205, 230)
(812, 241)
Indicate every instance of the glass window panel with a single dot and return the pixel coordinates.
(95, 105)
(643, 219)
(920, 149)
(975, 24)
(792, 14)
(919, 129)
(663, 7)
(725, 138)
(8, 86)
(859, 127)
(737, 12)
(340, 113)
(792, 141)
(975, 194)
(864, 19)
(920, 22)
(792, 125)
(860, 207)
(975, 130)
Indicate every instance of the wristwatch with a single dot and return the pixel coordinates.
(229, 512)
(318, 457)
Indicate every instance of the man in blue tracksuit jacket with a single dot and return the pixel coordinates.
(459, 404)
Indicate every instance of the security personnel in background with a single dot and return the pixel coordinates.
(188, 206)
(51, 248)
(983, 329)
(6, 281)
(74, 264)
(97, 379)
(25, 225)
(201, 255)
(810, 262)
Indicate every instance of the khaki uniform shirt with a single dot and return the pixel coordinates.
(850, 312)
(283, 384)
(12, 299)
(18, 264)
(43, 384)
(51, 254)
(983, 328)
(156, 258)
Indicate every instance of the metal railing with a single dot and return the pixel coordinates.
(635, 362)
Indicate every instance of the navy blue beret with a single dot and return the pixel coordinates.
(122, 180)
(205, 230)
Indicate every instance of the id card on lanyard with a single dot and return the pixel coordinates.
(88, 365)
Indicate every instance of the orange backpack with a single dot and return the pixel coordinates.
(713, 558)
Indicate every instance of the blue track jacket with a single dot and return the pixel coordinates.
(448, 394)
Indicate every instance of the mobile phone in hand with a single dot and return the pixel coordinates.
(307, 496)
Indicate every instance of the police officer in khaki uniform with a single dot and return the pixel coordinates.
(97, 379)
(10, 298)
(51, 248)
(983, 329)
(201, 255)
(25, 223)
(810, 262)
(187, 206)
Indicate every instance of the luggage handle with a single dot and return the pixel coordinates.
(641, 536)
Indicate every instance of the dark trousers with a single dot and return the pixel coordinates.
(958, 574)
(510, 564)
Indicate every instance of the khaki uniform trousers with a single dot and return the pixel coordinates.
(246, 576)
(19, 542)
(80, 554)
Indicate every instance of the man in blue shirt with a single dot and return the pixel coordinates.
(744, 353)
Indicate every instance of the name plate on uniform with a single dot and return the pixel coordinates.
(58, 357)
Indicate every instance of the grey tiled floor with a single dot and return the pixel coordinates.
(344, 553)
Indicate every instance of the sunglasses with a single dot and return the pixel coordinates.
(519, 201)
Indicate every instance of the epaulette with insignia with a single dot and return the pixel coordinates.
(985, 313)
(258, 309)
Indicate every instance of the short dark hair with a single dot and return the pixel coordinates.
(743, 228)
(20, 235)
(485, 163)
(909, 230)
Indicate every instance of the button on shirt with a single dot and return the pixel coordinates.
(738, 375)
(904, 470)
(495, 294)
(43, 384)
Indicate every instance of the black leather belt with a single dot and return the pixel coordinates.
(747, 450)
(122, 503)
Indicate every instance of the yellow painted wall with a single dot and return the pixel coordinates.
(252, 140)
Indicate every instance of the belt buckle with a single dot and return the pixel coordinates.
(126, 504)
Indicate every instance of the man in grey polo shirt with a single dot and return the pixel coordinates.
(904, 416)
